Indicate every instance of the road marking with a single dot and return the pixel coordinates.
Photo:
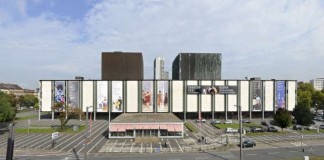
(113, 145)
(98, 142)
(179, 145)
(130, 150)
(151, 148)
(122, 146)
(274, 153)
(201, 157)
(141, 147)
(170, 145)
(293, 151)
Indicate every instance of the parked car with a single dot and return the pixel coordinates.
(216, 122)
(272, 129)
(246, 121)
(202, 120)
(228, 122)
(256, 129)
(321, 126)
(248, 143)
(231, 130)
(310, 128)
(273, 122)
(265, 123)
(297, 127)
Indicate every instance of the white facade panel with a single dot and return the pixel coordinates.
(192, 103)
(192, 100)
(291, 95)
(177, 96)
(232, 102)
(87, 96)
(268, 97)
(46, 96)
(244, 96)
(232, 83)
(206, 103)
(132, 96)
(206, 99)
(219, 82)
(219, 102)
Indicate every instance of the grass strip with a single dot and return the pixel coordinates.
(191, 127)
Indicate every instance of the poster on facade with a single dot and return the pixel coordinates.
(59, 95)
(256, 91)
(102, 96)
(147, 96)
(280, 94)
(117, 96)
(73, 99)
(162, 96)
(194, 89)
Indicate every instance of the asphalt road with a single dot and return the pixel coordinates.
(248, 154)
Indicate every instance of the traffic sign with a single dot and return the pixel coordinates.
(55, 135)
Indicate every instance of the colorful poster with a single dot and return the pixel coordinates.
(147, 96)
(102, 96)
(59, 95)
(194, 89)
(117, 96)
(162, 96)
(256, 91)
(73, 94)
(280, 94)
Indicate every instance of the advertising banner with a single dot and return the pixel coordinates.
(117, 96)
(280, 94)
(256, 90)
(194, 89)
(73, 94)
(147, 96)
(102, 96)
(162, 96)
(59, 95)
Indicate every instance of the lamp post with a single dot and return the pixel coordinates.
(241, 130)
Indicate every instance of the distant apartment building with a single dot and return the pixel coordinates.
(159, 70)
(15, 89)
(122, 66)
(197, 66)
(318, 83)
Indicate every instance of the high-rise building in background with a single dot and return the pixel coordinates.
(197, 66)
(122, 66)
(318, 83)
(159, 71)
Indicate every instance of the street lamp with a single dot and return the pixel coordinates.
(241, 130)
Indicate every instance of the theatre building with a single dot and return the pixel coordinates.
(159, 107)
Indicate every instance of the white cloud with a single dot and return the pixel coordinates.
(257, 38)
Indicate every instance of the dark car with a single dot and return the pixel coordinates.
(297, 127)
(272, 129)
(321, 126)
(216, 122)
(265, 123)
(246, 121)
(248, 143)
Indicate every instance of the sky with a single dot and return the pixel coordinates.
(61, 39)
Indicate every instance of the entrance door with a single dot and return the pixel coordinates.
(139, 133)
(146, 133)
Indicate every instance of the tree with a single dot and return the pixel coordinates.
(305, 93)
(303, 115)
(318, 100)
(7, 112)
(282, 118)
(67, 114)
(28, 100)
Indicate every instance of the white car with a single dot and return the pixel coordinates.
(228, 122)
(231, 130)
(202, 120)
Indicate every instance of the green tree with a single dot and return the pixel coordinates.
(7, 112)
(318, 100)
(303, 115)
(67, 114)
(28, 100)
(282, 118)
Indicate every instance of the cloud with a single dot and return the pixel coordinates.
(281, 40)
